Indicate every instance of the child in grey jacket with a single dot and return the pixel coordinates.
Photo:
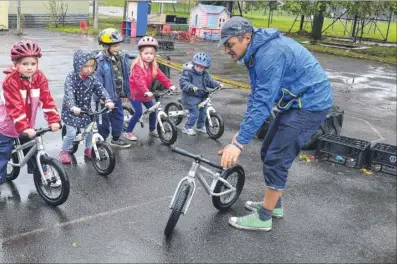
(194, 83)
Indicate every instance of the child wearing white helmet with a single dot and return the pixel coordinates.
(144, 70)
(194, 83)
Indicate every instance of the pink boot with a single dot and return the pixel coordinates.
(65, 157)
(87, 153)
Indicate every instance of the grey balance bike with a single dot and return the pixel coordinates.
(225, 187)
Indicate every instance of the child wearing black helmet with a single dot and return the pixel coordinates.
(194, 82)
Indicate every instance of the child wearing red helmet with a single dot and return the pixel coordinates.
(24, 89)
(144, 70)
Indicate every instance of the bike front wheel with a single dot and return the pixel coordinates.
(174, 107)
(54, 188)
(216, 130)
(127, 113)
(105, 163)
(177, 209)
(169, 135)
(235, 176)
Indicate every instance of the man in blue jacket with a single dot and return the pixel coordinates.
(113, 72)
(281, 71)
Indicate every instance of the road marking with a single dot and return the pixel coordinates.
(80, 220)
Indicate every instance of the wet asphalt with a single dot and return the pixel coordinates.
(332, 213)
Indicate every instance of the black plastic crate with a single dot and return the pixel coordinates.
(384, 158)
(348, 151)
(166, 44)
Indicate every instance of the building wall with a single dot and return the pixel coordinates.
(3, 15)
(36, 14)
(202, 16)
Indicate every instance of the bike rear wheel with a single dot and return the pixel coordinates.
(235, 177)
(170, 133)
(13, 172)
(48, 190)
(171, 107)
(216, 130)
(107, 160)
(177, 209)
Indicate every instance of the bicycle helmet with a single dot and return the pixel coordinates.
(25, 48)
(202, 59)
(110, 36)
(148, 42)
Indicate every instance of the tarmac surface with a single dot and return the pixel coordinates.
(332, 213)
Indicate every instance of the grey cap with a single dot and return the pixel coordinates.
(236, 26)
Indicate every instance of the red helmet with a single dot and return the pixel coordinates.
(148, 42)
(25, 48)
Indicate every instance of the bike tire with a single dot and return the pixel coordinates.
(127, 111)
(218, 200)
(179, 204)
(176, 107)
(105, 147)
(218, 123)
(15, 170)
(63, 177)
(75, 145)
(167, 124)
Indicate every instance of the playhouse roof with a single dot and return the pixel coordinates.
(211, 9)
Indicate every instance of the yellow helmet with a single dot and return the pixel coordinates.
(110, 36)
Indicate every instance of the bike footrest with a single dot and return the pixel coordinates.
(384, 158)
(347, 151)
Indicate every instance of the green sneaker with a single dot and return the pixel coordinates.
(277, 212)
(251, 222)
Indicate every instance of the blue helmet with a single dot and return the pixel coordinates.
(202, 59)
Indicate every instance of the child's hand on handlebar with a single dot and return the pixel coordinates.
(195, 89)
(221, 85)
(76, 110)
(148, 94)
(30, 132)
(173, 88)
(55, 127)
(109, 105)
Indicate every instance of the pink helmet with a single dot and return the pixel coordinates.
(25, 48)
(148, 42)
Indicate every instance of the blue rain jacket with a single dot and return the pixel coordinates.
(281, 71)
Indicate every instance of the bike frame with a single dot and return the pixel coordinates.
(37, 148)
(160, 113)
(92, 129)
(190, 180)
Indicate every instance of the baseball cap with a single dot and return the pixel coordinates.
(236, 26)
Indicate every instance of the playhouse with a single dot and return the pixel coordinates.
(206, 20)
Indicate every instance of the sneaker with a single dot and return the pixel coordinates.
(253, 206)
(202, 130)
(119, 143)
(188, 131)
(65, 157)
(88, 153)
(53, 182)
(153, 133)
(130, 136)
(251, 222)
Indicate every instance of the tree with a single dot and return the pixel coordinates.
(57, 10)
(19, 27)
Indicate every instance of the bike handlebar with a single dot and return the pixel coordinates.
(91, 113)
(195, 157)
(39, 132)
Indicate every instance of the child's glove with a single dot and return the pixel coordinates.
(172, 88)
(76, 110)
(194, 89)
(202, 93)
(221, 85)
(109, 105)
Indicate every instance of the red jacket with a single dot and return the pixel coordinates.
(141, 80)
(20, 101)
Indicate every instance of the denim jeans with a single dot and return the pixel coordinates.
(114, 119)
(196, 114)
(6, 144)
(69, 137)
(137, 105)
(283, 142)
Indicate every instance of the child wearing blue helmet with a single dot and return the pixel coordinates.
(194, 82)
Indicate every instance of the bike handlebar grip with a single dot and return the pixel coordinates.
(145, 95)
(183, 152)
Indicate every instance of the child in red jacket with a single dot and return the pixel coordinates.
(24, 90)
(144, 70)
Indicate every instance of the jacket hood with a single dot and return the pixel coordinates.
(261, 37)
(9, 69)
(80, 58)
